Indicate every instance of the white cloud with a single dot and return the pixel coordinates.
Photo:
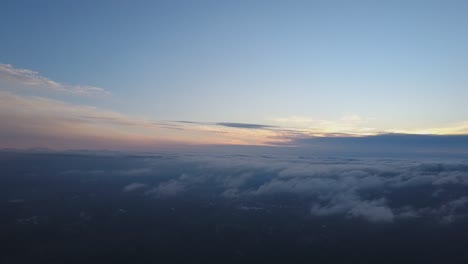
(134, 187)
(168, 189)
(375, 190)
(374, 211)
(353, 188)
(29, 78)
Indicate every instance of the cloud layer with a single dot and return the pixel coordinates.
(375, 190)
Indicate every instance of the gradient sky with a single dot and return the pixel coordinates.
(301, 67)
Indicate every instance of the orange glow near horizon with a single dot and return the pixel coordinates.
(41, 122)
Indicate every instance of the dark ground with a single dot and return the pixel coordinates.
(48, 216)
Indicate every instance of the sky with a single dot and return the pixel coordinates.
(147, 74)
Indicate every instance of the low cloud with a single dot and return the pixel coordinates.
(376, 190)
(167, 189)
(134, 187)
(353, 207)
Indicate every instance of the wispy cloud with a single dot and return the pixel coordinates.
(31, 121)
(228, 124)
(30, 78)
(243, 125)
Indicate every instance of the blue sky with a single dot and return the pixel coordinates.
(357, 67)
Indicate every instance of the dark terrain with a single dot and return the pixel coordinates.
(74, 208)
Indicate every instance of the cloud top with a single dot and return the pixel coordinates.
(374, 190)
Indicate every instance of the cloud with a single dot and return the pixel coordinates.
(41, 122)
(402, 144)
(351, 124)
(450, 209)
(134, 187)
(188, 122)
(228, 124)
(29, 121)
(32, 121)
(243, 125)
(378, 190)
(29, 78)
(373, 211)
(458, 128)
(354, 207)
(375, 190)
(167, 189)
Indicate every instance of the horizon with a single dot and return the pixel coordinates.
(234, 131)
(229, 72)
